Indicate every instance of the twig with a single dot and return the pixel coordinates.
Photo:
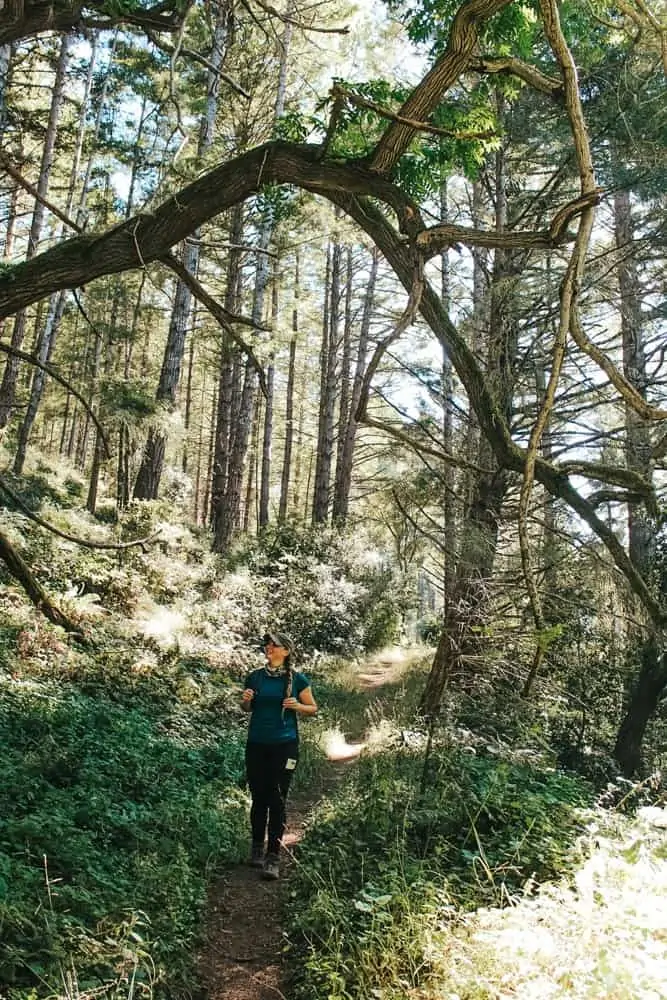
(85, 542)
(287, 19)
(63, 381)
(408, 316)
(32, 190)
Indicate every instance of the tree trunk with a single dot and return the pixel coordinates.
(150, 471)
(650, 683)
(447, 388)
(645, 696)
(265, 479)
(56, 310)
(8, 386)
(289, 401)
(459, 645)
(5, 67)
(96, 468)
(345, 389)
(20, 570)
(227, 386)
(187, 418)
(344, 481)
(325, 435)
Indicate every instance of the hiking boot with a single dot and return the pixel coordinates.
(271, 867)
(256, 856)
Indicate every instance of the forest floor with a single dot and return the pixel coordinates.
(242, 956)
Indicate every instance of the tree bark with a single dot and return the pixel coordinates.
(325, 423)
(150, 472)
(344, 480)
(645, 696)
(267, 435)
(20, 570)
(459, 645)
(649, 684)
(56, 310)
(289, 400)
(33, 17)
(8, 386)
(345, 390)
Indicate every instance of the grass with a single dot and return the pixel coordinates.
(502, 882)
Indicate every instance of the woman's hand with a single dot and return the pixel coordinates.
(291, 703)
(246, 699)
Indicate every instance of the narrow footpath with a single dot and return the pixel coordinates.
(242, 956)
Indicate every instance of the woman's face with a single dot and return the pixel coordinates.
(276, 655)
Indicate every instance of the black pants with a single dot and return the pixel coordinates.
(269, 778)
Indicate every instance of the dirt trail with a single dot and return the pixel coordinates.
(242, 956)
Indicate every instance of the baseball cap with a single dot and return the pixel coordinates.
(278, 639)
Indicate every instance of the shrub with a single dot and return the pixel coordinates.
(329, 590)
(110, 815)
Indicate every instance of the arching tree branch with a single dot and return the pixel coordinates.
(86, 543)
(24, 18)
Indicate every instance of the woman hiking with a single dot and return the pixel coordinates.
(275, 695)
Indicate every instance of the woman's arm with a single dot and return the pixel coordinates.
(304, 705)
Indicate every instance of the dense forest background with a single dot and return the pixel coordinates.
(351, 320)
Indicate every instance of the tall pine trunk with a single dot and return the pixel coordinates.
(650, 680)
(289, 401)
(56, 311)
(267, 436)
(8, 385)
(459, 642)
(344, 476)
(328, 359)
(150, 471)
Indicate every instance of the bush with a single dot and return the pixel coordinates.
(330, 591)
(110, 815)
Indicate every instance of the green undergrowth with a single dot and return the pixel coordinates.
(384, 866)
(600, 934)
(119, 799)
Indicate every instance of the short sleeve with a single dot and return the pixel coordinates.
(301, 682)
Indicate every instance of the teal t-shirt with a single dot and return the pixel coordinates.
(268, 722)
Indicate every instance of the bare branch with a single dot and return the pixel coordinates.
(631, 396)
(404, 322)
(287, 19)
(448, 234)
(524, 71)
(85, 542)
(202, 60)
(32, 190)
(343, 93)
(8, 349)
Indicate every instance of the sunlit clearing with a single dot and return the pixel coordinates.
(336, 746)
(163, 625)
